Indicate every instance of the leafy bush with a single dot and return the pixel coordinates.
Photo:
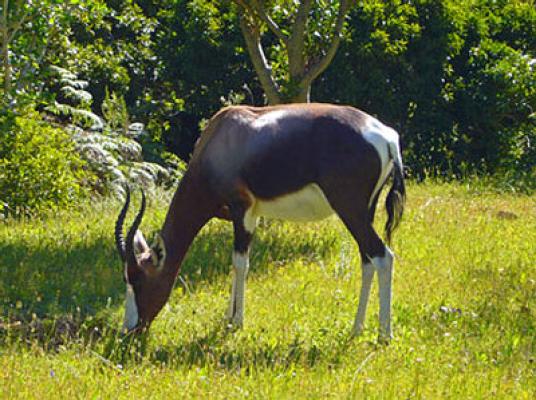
(456, 79)
(493, 100)
(453, 77)
(110, 145)
(39, 167)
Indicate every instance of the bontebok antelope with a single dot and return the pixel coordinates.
(296, 162)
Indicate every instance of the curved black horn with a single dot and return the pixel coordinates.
(129, 248)
(119, 240)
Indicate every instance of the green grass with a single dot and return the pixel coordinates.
(464, 312)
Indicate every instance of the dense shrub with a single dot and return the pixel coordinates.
(39, 168)
(110, 145)
(453, 77)
(456, 79)
(492, 101)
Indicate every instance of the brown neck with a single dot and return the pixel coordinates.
(189, 211)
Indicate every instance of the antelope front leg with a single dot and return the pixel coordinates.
(235, 312)
(231, 308)
(244, 225)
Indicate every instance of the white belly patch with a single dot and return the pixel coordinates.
(307, 204)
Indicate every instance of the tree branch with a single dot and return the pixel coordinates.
(3, 24)
(15, 28)
(316, 69)
(264, 71)
(5, 51)
(255, 8)
(38, 60)
(244, 5)
(296, 43)
(272, 25)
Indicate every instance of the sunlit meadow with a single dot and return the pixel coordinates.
(464, 312)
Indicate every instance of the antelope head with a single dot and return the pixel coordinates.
(147, 289)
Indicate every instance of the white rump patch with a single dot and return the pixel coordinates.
(131, 310)
(307, 204)
(385, 141)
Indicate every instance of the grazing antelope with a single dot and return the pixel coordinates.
(297, 162)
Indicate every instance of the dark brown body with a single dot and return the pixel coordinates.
(280, 156)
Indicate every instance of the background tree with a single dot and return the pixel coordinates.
(306, 36)
(457, 79)
(31, 34)
(9, 26)
(202, 65)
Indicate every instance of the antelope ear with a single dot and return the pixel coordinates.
(140, 245)
(158, 251)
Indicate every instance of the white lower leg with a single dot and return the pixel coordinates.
(384, 266)
(367, 274)
(231, 308)
(241, 266)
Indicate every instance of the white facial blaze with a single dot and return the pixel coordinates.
(131, 310)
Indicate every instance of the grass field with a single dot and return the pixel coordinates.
(464, 312)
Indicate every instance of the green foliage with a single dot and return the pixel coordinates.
(112, 48)
(493, 100)
(464, 311)
(452, 77)
(39, 167)
(203, 58)
(109, 146)
(115, 112)
(75, 101)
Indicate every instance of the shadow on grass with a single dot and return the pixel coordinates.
(212, 349)
(219, 347)
(54, 281)
(54, 294)
(223, 348)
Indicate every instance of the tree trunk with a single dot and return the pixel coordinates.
(303, 95)
(5, 50)
(260, 63)
(301, 73)
(6, 66)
